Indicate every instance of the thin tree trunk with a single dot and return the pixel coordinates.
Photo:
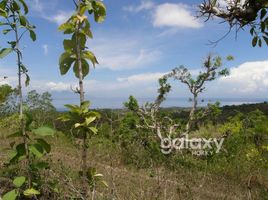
(82, 99)
(191, 116)
(22, 123)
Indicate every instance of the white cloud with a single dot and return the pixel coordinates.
(45, 48)
(36, 5)
(249, 78)
(174, 15)
(145, 5)
(100, 86)
(59, 18)
(124, 52)
(60, 86)
(167, 14)
(141, 78)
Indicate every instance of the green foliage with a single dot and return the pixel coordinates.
(81, 117)
(132, 103)
(19, 191)
(95, 179)
(14, 13)
(79, 26)
(5, 91)
(36, 149)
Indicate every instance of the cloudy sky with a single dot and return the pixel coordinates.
(139, 42)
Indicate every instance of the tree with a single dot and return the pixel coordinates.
(149, 114)
(240, 14)
(14, 15)
(41, 107)
(77, 56)
(196, 85)
(5, 91)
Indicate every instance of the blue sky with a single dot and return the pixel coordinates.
(139, 42)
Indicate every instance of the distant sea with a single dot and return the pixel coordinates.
(117, 103)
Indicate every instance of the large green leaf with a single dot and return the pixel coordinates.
(3, 13)
(68, 28)
(90, 56)
(15, 6)
(12, 195)
(44, 144)
(26, 10)
(19, 181)
(6, 31)
(32, 35)
(23, 20)
(44, 131)
(4, 52)
(99, 11)
(31, 192)
(85, 68)
(65, 62)
(82, 38)
(69, 45)
(37, 150)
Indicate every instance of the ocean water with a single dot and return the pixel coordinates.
(170, 102)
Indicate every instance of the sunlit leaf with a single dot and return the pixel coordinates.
(31, 192)
(12, 195)
(44, 131)
(4, 52)
(19, 181)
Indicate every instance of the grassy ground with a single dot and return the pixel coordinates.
(126, 182)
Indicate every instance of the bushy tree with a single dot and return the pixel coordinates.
(240, 14)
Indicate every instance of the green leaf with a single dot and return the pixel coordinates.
(67, 28)
(25, 7)
(65, 62)
(41, 165)
(69, 45)
(94, 130)
(85, 68)
(32, 35)
(31, 192)
(99, 11)
(3, 13)
(37, 150)
(90, 56)
(82, 39)
(12, 195)
(6, 31)
(44, 144)
(19, 181)
(27, 81)
(44, 131)
(4, 52)
(254, 41)
(23, 20)
(260, 43)
(263, 13)
(265, 39)
(90, 120)
(15, 6)
(86, 29)
(85, 106)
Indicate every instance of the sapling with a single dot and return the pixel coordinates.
(77, 55)
(14, 21)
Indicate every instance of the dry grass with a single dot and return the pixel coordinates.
(127, 183)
